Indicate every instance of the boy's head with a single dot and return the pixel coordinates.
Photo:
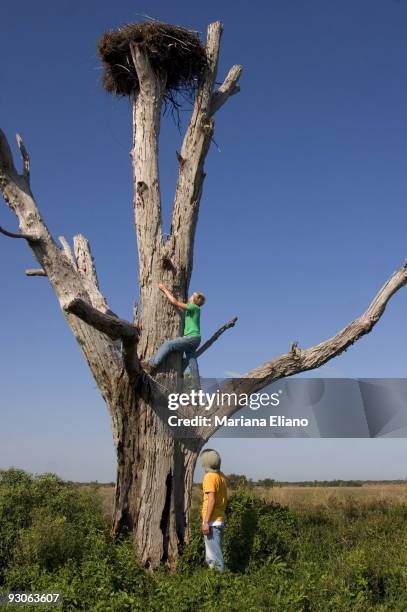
(210, 460)
(197, 298)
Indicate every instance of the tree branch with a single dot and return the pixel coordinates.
(228, 88)
(87, 269)
(100, 352)
(108, 324)
(147, 104)
(191, 161)
(145, 74)
(214, 337)
(301, 360)
(67, 250)
(25, 157)
(17, 235)
(8, 170)
(85, 260)
(35, 272)
(130, 358)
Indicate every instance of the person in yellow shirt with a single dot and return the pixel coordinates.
(214, 488)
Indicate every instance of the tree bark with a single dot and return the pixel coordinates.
(154, 481)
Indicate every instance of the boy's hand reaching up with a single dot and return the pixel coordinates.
(170, 297)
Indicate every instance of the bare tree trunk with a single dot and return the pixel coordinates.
(154, 482)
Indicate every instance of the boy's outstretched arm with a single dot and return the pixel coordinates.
(171, 298)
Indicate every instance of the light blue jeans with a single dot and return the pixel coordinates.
(184, 344)
(213, 548)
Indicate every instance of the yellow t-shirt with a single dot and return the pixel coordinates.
(215, 482)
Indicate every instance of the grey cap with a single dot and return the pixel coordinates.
(210, 460)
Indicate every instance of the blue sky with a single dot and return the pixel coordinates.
(302, 219)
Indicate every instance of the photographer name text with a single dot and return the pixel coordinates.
(273, 420)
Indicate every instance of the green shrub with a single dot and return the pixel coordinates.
(55, 536)
(193, 555)
(44, 521)
(50, 541)
(256, 531)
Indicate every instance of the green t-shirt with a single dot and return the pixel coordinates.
(192, 320)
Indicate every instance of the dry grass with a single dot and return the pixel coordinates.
(106, 492)
(297, 497)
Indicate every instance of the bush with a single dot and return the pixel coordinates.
(256, 531)
(44, 521)
(49, 542)
(54, 536)
(193, 555)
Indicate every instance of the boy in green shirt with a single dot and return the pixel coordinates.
(189, 342)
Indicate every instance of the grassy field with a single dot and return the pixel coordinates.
(311, 497)
(287, 548)
(303, 497)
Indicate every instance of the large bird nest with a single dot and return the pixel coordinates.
(173, 51)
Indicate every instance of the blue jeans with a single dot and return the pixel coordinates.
(184, 344)
(213, 548)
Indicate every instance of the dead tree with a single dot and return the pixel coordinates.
(154, 469)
